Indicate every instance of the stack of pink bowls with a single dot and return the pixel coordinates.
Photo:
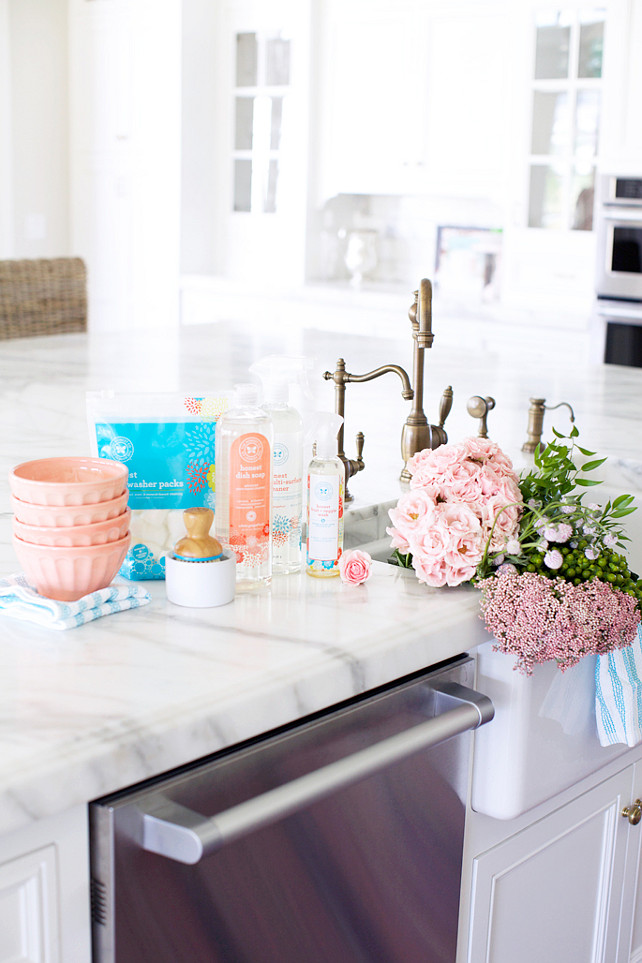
(71, 523)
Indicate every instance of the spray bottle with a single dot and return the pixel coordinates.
(244, 487)
(277, 374)
(326, 483)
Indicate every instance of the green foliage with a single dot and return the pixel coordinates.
(559, 535)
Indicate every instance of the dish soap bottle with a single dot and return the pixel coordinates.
(276, 374)
(244, 439)
(326, 483)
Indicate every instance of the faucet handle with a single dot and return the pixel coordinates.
(438, 434)
(445, 405)
(479, 407)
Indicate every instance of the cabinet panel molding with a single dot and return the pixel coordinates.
(28, 909)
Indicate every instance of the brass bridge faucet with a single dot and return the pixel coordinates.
(341, 377)
(416, 434)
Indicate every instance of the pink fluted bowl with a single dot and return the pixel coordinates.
(64, 516)
(66, 574)
(68, 481)
(98, 533)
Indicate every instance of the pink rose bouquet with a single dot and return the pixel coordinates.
(355, 567)
(464, 502)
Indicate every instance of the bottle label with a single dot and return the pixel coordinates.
(286, 490)
(250, 497)
(323, 523)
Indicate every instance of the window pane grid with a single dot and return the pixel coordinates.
(262, 74)
(565, 104)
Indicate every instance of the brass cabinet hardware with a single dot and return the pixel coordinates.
(633, 813)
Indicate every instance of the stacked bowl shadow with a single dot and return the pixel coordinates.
(70, 523)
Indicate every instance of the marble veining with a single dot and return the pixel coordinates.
(102, 706)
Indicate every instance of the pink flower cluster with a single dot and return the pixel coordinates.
(537, 618)
(463, 499)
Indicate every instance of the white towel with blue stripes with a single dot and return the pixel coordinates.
(618, 695)
(20, 601)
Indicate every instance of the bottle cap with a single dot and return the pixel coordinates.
(246, 395)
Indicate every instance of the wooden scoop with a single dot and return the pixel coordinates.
(198, 545)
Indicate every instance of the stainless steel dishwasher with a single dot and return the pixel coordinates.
(336, 840)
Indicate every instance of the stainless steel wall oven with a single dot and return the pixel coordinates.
(619, 267)
(337, 839)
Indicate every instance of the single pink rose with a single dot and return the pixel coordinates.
(431, 467)
(355, 567)
(411, 515)
(485, 450)
(448, 552)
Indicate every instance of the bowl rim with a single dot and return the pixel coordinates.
(86, 528)
(117, 544)
(115, 470)
(39, 505)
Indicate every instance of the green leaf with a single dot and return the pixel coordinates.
(586, 482)
(622, 512)
(622, 500)
(592, 465)
(586, 452)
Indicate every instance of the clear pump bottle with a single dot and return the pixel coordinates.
(326, 483)
(244, 438)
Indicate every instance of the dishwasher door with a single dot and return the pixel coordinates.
(338, 840)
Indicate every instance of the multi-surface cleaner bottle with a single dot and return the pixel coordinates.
(326, 483)
(244, 439)
(277, 373)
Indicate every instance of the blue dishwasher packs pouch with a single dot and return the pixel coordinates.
(167, 443)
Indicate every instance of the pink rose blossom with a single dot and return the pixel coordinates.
(464, 499)
(355, 567)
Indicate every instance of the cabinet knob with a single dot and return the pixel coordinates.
(633, 813)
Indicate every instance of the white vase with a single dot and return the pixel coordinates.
(361, 254)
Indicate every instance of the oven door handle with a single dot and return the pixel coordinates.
(622, 215)
(179, 833)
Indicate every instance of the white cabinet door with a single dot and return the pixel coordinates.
(414, 98)
(44, 891)
(374, 90)
(554, 890)
(125, 126)
(631, 939)
(28, 908)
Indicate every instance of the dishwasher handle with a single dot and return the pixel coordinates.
(172, 830)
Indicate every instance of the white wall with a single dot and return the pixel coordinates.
(34, 164)
(200, 70)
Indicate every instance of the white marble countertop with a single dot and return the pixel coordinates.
(94, 709)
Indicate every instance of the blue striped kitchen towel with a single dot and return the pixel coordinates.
(618, 695)
(20, 601)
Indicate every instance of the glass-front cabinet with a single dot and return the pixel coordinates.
(262, 74)
(263, 140)
(565, 105)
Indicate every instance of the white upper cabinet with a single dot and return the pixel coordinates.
(413, 98)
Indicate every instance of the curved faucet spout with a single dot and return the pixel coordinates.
(406, 390)
(341, 378)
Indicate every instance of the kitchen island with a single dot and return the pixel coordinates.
(103, 706)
